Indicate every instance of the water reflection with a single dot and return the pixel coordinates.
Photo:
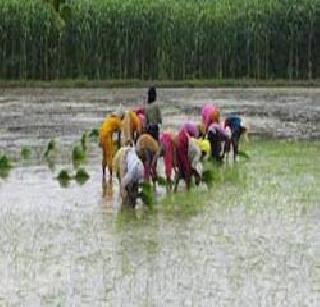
(107, 190)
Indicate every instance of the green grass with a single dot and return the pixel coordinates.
(279, 174)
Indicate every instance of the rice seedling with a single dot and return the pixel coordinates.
(145, 193)
(4, 162)
(83, 141)
(25, 153)
(78, 154)
(51, 146)
(64, 175)
(94, 133)
(81, 176)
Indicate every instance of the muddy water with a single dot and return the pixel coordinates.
(251, 240)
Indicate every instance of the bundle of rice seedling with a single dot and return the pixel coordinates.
(207, 176)
(83, 141)
(4, 162)
(146, 193)
(25, 153)
(64, 175)
(78, 153)
(81, 176)
(51, 146)
(94, 133)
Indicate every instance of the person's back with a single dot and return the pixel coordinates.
(152, 113)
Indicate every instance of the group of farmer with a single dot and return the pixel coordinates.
(131, 144)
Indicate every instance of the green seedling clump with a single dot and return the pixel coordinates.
(94, 133)
(81, 176)
(4, 162)
(146, 193)
(207, 176)
(25, 153)
(64, 175)
(78, 153)
(51, 146)
(83, 141)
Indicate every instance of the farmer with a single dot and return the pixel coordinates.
(197, 132)
(237, 128)
(130, 171)
(147, 148)
(131, 127)
(167, 151)
(194, 155)
(192, 129)
(152, 115)
(182, 159)
(210, 115)
(140, 113)
(109, 141)
(218, 138)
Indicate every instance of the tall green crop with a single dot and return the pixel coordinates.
(159, 39)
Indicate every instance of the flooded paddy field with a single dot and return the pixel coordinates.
(252, 239)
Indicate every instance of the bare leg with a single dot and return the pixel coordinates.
(110, 171)
(176, 181)
(103, 172)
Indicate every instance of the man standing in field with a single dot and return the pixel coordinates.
(153, 118)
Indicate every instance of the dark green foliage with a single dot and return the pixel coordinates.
(159, 39)
(5, 167)
(4, 162)
(64, 175)
(146, 194)
(81, 176)
(51, 146)
(207, 176)
(94, 133)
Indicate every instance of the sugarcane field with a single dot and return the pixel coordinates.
(159, 153)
